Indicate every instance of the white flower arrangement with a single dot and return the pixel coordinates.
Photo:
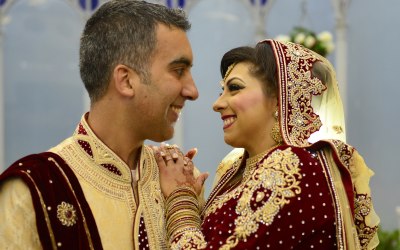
(322, 43)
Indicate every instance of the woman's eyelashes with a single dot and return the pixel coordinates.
(232, 87)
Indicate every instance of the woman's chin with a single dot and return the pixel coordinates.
(231, 142)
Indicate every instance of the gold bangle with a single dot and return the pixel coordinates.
(190, 204)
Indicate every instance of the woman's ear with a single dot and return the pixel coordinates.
(125, 80)
(274, 102)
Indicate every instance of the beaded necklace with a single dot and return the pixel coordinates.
(251, 162)
(243, 175)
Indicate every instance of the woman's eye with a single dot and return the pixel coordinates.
(234, 87)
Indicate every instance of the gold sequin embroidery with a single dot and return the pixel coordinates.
(191, 239)
(278, 175)
(297, 87)
(344, 151)
(362, 209)
(66, 213)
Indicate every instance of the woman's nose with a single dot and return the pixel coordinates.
(219, 104)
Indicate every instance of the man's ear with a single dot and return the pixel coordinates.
(125, 80)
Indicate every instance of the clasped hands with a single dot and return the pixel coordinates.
(177, 170)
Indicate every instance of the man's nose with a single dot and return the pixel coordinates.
(189, 90)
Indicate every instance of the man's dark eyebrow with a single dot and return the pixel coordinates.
(182, 60)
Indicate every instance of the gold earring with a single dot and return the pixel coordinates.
(276, 132)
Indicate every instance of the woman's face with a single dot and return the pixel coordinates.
(246, 111)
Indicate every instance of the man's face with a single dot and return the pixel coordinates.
(170, 85)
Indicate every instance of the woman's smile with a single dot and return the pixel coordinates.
(228, 120)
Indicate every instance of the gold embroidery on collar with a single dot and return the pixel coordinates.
(88, 168)
(102, 155)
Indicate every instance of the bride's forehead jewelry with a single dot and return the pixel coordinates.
(228, 71)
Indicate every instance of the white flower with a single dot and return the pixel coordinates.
(300, 38)
(329, 47)
(283, 38)
(309, 41)
(325, 37)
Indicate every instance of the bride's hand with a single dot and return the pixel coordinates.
(177, 170)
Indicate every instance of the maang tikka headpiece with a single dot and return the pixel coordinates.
(297, 85)
(228, 71)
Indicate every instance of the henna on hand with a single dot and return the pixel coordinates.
(177, 170)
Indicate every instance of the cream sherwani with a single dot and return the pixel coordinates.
(125, 218)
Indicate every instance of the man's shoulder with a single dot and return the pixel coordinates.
(32, 165)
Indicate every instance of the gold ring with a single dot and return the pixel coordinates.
(169, 147)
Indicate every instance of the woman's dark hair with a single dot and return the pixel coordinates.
(263, 61)
(264, 65)
(237, 55)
